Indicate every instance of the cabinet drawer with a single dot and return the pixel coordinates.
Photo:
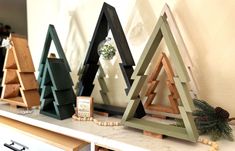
(19, 135)
(10, 135)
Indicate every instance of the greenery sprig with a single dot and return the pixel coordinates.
(212, 121)
(106, 50)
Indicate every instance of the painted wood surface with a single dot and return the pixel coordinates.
(162, 31)
(108, 20)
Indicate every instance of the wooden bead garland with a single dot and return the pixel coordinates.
(214, 145)
(100, 123)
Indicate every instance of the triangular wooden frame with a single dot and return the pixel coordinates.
(164, 63)
(189, 132)
(166, 12)
(108, 19)
(51, 36)
(20, 86)
(56, 88)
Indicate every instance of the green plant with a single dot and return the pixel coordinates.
(106, 50)
(212, 121)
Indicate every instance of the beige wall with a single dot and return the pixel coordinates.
(13, 13)
(207, 27)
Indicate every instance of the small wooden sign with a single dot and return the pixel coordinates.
(84, 106)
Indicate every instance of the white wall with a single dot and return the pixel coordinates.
(13, 13)
(207, 28)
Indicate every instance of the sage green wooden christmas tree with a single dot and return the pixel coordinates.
(181, 78)
(57, 95)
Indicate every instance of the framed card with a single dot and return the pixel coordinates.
(84, 106)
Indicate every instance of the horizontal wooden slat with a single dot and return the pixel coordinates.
(16, 101)
(159, 128)
(160, 108)
(55, 139)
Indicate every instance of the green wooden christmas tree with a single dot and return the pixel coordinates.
(181, 78)
(57, 95)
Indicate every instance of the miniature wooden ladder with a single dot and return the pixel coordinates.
(162, 62)
(20, 87)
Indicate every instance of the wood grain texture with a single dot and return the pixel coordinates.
(22, 54)
(30, 97)
(155, 135)
(10, 62)
(162, 63)
(27, 81)
(20, 85)
(10, 91)
(55, 139)
(10, 77)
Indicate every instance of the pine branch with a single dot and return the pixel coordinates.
(231, 119)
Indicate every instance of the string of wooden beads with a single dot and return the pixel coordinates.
(214, 145)
(100, 123)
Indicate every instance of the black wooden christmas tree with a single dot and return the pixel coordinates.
(108, 20)
(57, 95)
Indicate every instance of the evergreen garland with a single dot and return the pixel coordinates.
(212, 121)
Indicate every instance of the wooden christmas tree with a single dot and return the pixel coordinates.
(162, 63)
(180, 79)
(108, 20)
(57, 95)
(20, 87)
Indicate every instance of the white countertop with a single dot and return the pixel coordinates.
(118, 138)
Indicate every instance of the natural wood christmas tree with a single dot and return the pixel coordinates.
(20, 87)
(162, 63)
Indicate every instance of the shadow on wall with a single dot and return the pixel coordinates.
(139, 27)
(76, 44)
(210, 34)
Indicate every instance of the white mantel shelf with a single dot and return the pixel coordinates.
(117, 138)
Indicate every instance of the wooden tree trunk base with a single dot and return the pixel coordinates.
(102, 113)
(155, 135)
(14, 106)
